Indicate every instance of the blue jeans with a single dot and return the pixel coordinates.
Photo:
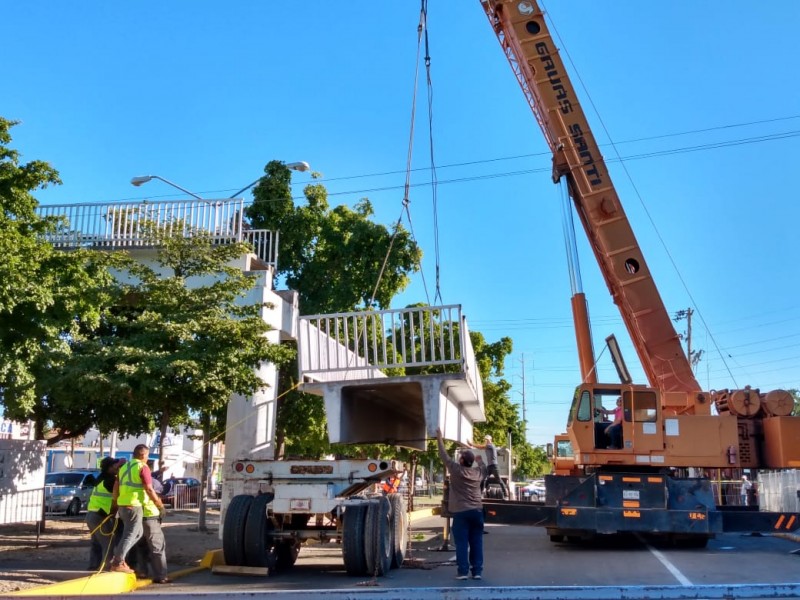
(468, 536)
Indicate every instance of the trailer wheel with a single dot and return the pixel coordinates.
(353, 521)
(399, 529)
(233, 529)
(259, 542)
(378, 537)
(286, 554)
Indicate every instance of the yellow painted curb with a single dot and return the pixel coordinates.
(212, 559)
(99, 584)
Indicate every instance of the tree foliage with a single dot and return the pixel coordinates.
(180, 345)
(332, 257)
(47, 298)
(796, 395)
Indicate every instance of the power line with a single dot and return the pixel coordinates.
(546, 154)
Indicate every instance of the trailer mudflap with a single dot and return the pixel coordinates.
(519, 513)
(764, 522)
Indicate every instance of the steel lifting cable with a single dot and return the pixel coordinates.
(434, 181)
(421, 28)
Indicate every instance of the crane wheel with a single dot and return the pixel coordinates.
(233, 529)
(378, 544)
(259, 543)
(353, 523)
(399, 528)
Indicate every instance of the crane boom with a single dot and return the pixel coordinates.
(525, 39)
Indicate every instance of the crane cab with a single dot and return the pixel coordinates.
(651, 436)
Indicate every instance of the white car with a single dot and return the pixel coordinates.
(533, 491)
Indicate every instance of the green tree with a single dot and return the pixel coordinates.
(796, 395)
(182, 344)
(334, 258)
(47, 298)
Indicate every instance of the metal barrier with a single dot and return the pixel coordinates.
(184, 497)
(125, 225)
(779, 491)
(21, 506)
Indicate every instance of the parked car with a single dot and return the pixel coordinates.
(179, 492)
(533, 491)
(69, 491)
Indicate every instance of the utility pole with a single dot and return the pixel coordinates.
(524, 414)
(687, 314)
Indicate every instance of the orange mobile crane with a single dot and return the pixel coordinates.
(668, 425)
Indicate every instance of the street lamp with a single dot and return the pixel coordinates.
(137, 181)
(295, 166)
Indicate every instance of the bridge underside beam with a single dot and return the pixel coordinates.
(399, 411)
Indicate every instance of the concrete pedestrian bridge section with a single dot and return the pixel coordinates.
(392, 376)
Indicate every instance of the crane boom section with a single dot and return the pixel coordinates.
(523, 35)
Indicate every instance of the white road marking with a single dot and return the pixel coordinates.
(682, 579)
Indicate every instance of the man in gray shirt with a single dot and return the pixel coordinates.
(465, 505)
(491, 460)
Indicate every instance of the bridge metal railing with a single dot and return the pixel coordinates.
(377, 343)
(127, 225)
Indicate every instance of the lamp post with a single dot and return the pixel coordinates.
(137, 181)
(295, 166)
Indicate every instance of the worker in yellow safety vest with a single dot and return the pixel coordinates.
(99, 515)
(133, 486)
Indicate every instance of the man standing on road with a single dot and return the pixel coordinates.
(491, 460)
(746, 485)
(465, 506)
(133, 486)
(152, 547)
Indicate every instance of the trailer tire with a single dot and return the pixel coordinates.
(399, 529)
(353, 521)
(378, 543)
(233, 529)
(286, 554)
(259, 543)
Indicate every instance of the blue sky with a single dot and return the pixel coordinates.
(700, 98)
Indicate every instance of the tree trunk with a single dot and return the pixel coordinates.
(201, 523)
(163, 435)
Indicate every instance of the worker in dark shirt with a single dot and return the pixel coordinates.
(465, 506)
